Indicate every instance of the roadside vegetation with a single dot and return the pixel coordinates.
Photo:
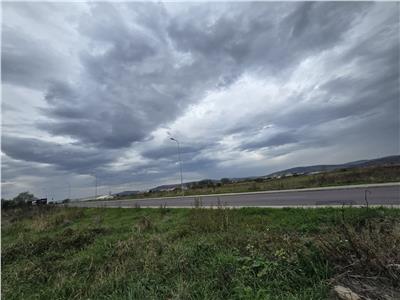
(54, 252)
(22, 200)
(348, 176)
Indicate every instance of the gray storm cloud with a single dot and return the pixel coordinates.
(99, 84)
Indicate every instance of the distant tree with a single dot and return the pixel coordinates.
(6, 203)
(24, 198)
(206, 183)
(225, 180)
(195, 185)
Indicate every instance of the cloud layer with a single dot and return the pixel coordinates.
(247, 88)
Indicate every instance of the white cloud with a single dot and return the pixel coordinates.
(247, 88)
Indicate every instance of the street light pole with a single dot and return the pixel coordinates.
(95, 191)
(180, 163)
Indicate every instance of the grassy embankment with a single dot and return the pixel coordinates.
(251, 253)
(333, 178)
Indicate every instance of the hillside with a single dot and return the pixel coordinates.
(355, 175)
(383, 161)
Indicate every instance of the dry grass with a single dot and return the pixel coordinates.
(366, 257)
(144, 224)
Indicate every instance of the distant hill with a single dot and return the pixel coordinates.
(165, 187)
(389, 160)
(171, 187)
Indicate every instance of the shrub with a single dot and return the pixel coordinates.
(366, 256)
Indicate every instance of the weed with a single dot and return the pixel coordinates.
(97, 220)
(364, 252)
(68, 239)
(163, 209)
(144, 224)
(206, 220)
(199, 253)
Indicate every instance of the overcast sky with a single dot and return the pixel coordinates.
(247, 88)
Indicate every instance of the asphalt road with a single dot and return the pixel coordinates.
(378, 195)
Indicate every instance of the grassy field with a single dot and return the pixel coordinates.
(334, 178)
(249, 253)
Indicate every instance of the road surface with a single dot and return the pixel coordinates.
(379, 194)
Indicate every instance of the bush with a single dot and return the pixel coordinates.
(24, 199)
(225, 180)
(366, 255)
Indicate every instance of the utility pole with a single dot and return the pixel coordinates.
(69, 191)
(180, 163)
(95, 185)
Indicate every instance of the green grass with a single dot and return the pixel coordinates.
(379, 174)
(249, 253)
